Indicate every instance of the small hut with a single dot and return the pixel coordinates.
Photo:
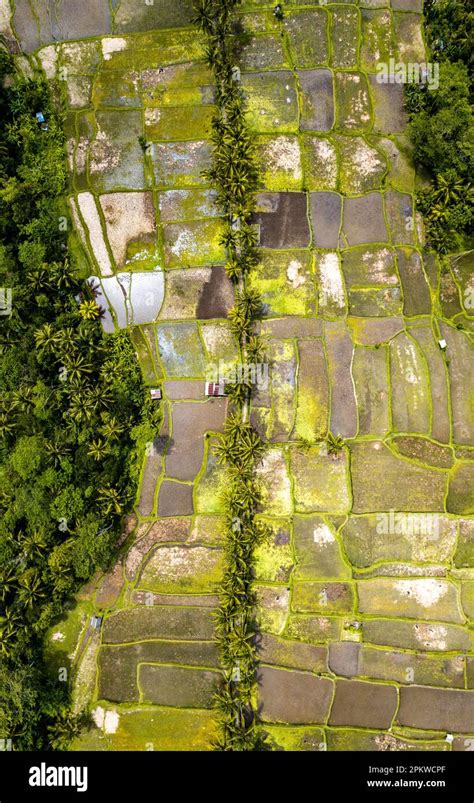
(215, 389)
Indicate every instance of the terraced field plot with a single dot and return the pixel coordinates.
(365, 584)
(362, 583)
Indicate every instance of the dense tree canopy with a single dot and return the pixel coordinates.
(450, 30)
(74, 415)
(442, 127)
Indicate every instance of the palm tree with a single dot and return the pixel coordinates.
(251, 302)
(112, 428)
(34, 545)
(101, 396)
(251, 446)
(56, 450)
(229, 239)
(39, 278)
(238, 321)
(8, 582)
(238, 392)
(90, 310)
(65, 727)
(69, 338)
(256, 348)
(77, 366)
(81, 407)
(7, 425)
(334, 444)
(11, 625)
(98, 449)
(447, 190)
(109, 500)
(204, 14)
(233, 269)
(247, 236)
(108, 372)
(30, 588)
(87, 332)
(23, 397)
(62, 275)
(46, 338)
(243, 498)
(8, 638)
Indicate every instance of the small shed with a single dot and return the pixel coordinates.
(155, 394)
(96, 622)
(215, 389)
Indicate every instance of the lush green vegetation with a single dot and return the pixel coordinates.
(450, 30)
(234, 175)
(442, 127)
(74, 417)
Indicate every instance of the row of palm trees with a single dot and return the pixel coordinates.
(234, 175)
